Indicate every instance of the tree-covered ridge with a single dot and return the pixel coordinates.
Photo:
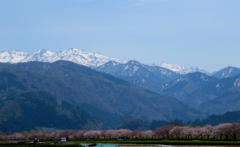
(40, 109)
(139, 124)
(227, 117)
(214, 120)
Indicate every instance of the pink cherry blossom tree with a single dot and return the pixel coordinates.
(176, 131)
(16, 136)
(79, 134)
(163, 132)
(147, 134)
(110, 133)
(234, 130)
(224, 130)
(124, 133)
(187, 132)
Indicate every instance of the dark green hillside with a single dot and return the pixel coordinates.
(9, 80)
(228, 117)
(139, 124)
(39, 109)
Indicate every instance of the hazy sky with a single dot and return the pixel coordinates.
(203, 33)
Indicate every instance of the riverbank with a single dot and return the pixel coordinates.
(161, 142)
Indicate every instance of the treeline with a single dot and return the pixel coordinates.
(227, 131)
(139, 124)
(227, 117)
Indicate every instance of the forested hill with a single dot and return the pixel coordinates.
(40, 109)
(228, 117)
(214, 120)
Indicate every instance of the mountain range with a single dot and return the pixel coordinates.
(217, 97)
(106, 99)
(144, 76)
(106, 90)
(80, 57)
(215, 94)
(73, 55)
(93, 60)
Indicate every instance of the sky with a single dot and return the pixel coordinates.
(202, 33)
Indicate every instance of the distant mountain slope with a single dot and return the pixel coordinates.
(157, 79)
(227, 72)
(144, 76)
(217, 97)
(40, 109)
(186, 84)
(74, 55)
(179, 69)
(93, 91)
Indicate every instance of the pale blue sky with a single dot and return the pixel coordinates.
(203, 33)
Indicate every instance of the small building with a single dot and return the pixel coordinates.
(63, 140)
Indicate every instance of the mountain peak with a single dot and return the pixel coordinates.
(131, 62)
(227, 72)
(41, 51)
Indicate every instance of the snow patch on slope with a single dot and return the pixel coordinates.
(179, 69)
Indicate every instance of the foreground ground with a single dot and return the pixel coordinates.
(121, 142)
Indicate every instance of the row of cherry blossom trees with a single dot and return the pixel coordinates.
(222, 131)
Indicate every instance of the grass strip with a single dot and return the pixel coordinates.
(41, 145)
(164, 142)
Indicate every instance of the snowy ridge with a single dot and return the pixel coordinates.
(81, 57)
(179, 69)
(12, 56)
(74, 55)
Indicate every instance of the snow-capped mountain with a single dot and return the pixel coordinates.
(74, 55)
(12, 56)
(80, 57)
(179, 69)
(134, 68)
(144, 76)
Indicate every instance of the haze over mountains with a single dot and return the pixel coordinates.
(111, 90)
